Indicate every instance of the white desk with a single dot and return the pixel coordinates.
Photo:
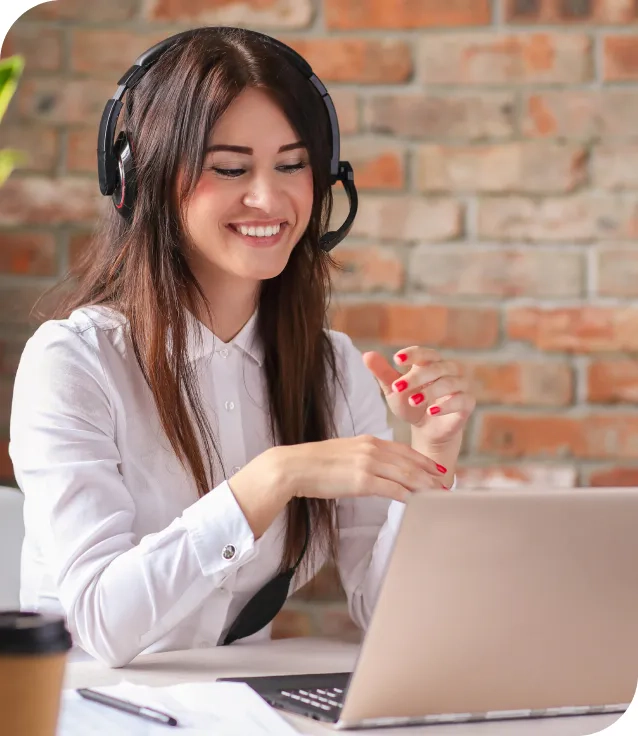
(289, 656)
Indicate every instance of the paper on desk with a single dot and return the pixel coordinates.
(220, 708)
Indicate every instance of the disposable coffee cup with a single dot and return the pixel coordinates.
(33, 651)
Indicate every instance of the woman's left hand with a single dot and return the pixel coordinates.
(432, 395)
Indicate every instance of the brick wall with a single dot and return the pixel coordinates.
(495, 146)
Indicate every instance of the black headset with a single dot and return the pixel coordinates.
(115, 164)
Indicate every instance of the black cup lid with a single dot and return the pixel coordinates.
(28, 632)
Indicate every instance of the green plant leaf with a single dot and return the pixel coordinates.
(10, 71)
(9, 159)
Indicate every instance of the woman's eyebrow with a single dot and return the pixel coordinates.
(249, 151)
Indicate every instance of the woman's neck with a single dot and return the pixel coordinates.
(231, 305)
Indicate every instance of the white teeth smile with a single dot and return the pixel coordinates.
(258, 232)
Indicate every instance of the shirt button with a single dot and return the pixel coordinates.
(235, 469)
(229, 406)
(224, 353)
(229, 552)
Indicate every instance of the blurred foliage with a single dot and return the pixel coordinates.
(10, 71)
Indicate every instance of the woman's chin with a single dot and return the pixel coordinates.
(263, 272)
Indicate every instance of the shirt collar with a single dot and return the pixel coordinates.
(201, 341)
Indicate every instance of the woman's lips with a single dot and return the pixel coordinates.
(260, 242)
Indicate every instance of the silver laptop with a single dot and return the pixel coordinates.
(495, 604)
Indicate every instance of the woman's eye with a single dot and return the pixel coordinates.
(230, 173)
(234, 173)
(290, 168)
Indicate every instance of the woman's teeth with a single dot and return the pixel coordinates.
(258, 232)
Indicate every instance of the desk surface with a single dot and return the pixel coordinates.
(289, 656)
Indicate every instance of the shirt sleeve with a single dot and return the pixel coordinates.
(368, 526)
(120, 594)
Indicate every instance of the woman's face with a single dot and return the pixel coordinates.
(254, 198)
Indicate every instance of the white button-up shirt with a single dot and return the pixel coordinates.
(116, 537)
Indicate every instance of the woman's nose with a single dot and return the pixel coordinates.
(261, 193)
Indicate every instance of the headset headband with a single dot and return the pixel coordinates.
(114, 160)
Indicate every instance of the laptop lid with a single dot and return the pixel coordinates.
(509, 600)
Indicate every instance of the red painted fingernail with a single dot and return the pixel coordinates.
(441, 468)
(434, 410)
(401, 357)
(401, 385)
(417, 398)
(445, 488)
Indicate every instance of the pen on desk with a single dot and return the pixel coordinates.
(124, 705)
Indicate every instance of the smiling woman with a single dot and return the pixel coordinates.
(252, 203)
(205, 442)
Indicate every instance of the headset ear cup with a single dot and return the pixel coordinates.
(125, 187)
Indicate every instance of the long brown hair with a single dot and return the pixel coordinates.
(139, 269)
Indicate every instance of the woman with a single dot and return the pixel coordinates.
(185, 408)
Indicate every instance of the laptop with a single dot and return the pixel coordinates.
(495, 604)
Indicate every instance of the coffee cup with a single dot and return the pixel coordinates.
(33, 652)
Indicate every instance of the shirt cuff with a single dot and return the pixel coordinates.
(221, 536)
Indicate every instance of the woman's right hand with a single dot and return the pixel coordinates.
(356, 466)
(337, 468)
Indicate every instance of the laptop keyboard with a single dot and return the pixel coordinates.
(323, 699)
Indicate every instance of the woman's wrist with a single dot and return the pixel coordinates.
(262, 490)
(446, 455)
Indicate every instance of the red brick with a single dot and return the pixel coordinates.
(606, 12)
(10, 353)
(620, 58)
(368, 268)
(615, 166)
(41, 47)
(412, 324)
(6, 394)
(247, 13)
(578, 218)
(532, 167)
(81, 156)
(346, 105)
(79, 10)
(35, 200)
(583, 329)
(6, 466)
(521, 382)
(38, 143)
(27, 253)
(406, 217)
(349, 14)
(360, 60)
(17, 301)
(63, 101)
(6, 47)
(490, 58)
(98, 52)
(325, 586)
(289, 624)
(78, 244)
(335, 623)
(612, 381)
(617, 271)
(581, 114)
(595, 436)
(614, 477)
(502, 272)
(520, 475)
(377, 164)
(468, 116)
